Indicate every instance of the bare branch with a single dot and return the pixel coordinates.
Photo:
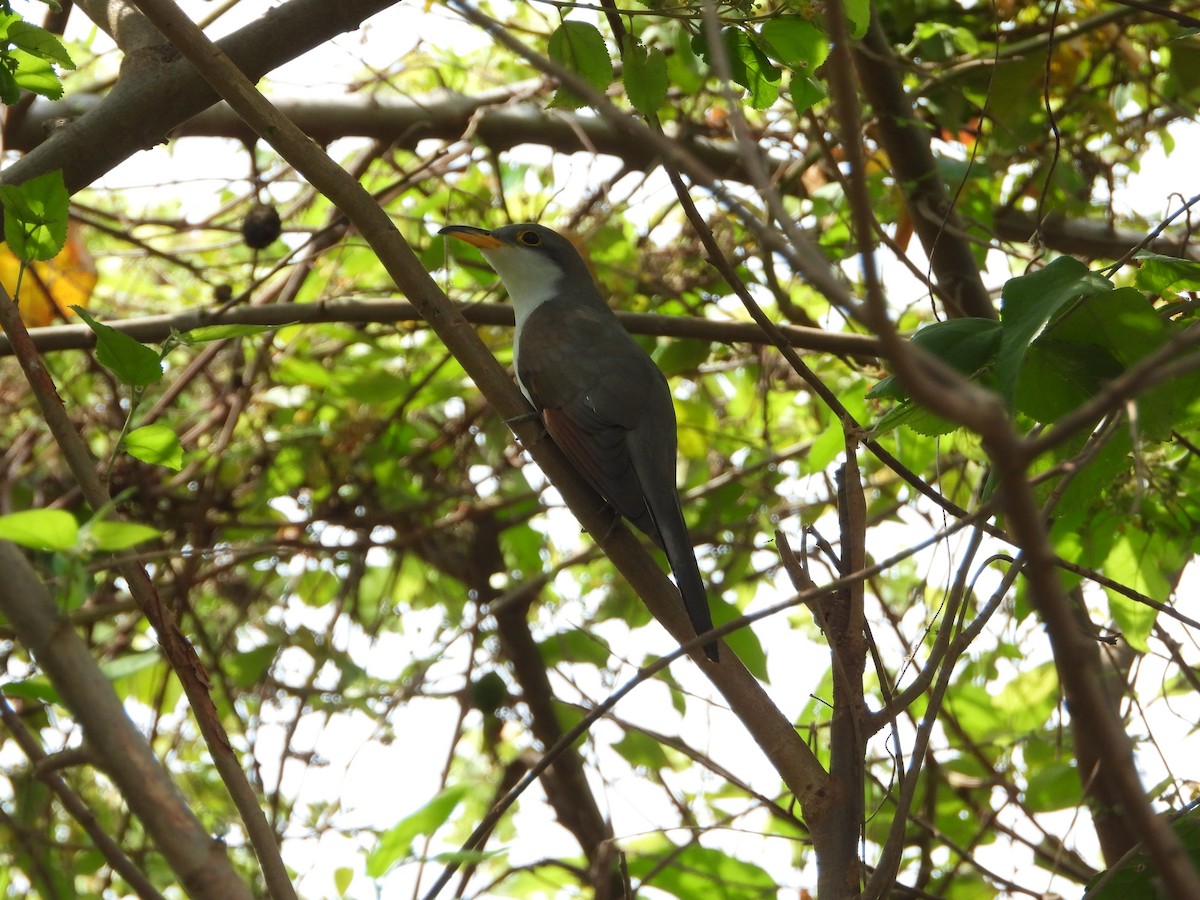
(198, 859)
(152, 329)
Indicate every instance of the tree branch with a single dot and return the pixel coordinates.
(154, 329)
(158, 90)
(773, 732)
(448, 116)
(907, 145)
(120, 749)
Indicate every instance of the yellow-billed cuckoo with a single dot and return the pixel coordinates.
(601, 398)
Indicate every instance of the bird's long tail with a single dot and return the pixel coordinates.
(682, 557)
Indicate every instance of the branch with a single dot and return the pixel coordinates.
(1089, 238)
(907, 144)
(836, 837)
(448, 116)
(154, 329)
(158, 90)
(120, 749)
(773, 732)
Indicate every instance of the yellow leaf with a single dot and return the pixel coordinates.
(49, 289)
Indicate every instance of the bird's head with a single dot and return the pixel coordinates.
(532, 260)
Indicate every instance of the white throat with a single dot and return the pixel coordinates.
(530, 280)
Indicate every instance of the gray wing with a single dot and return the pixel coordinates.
(608, 407)
(594, 387)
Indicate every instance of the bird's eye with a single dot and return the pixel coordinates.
(529, 238)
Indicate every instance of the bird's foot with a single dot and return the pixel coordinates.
(602, 539)
(527, 417)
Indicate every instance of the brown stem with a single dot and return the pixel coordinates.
(119, 748)
(773, 732)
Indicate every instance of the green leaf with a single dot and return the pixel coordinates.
(1053, 785)
(1029, 699)
(224, 332)
(1158, 274)
(806, 92)
(858, 15)
(130, 664)
(574, 645)
(580, 47)
(1058, 376)
(295, 370)
(680, 357)
(1146, 563)
(342, 877)
(38, 689)
(1029, 302)
(914, 416)
(1093, 341)
(37, 75)
(155, 444)
(644, 72)
(1185, 64)
(1122, 321)
(35, 216)
(694, 871)
(40, 43)
(966, 344)
(395, 844)
(796, 42)
(247, 667)
(642, 751)
(1021, 706)
(684, 66)
(114, 536)
(744, 641)
(9, 92)
(131, 361)
(751, 68)
(40, 529)
(826, 447)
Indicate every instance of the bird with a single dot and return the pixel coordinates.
(600, 396)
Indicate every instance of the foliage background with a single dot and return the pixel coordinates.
(395, 613)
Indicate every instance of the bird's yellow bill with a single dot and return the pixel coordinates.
(477, 237)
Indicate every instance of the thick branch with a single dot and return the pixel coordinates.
(448, 116)
(837, 834)
(907, 145)
(795, 762)
(158, 90)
